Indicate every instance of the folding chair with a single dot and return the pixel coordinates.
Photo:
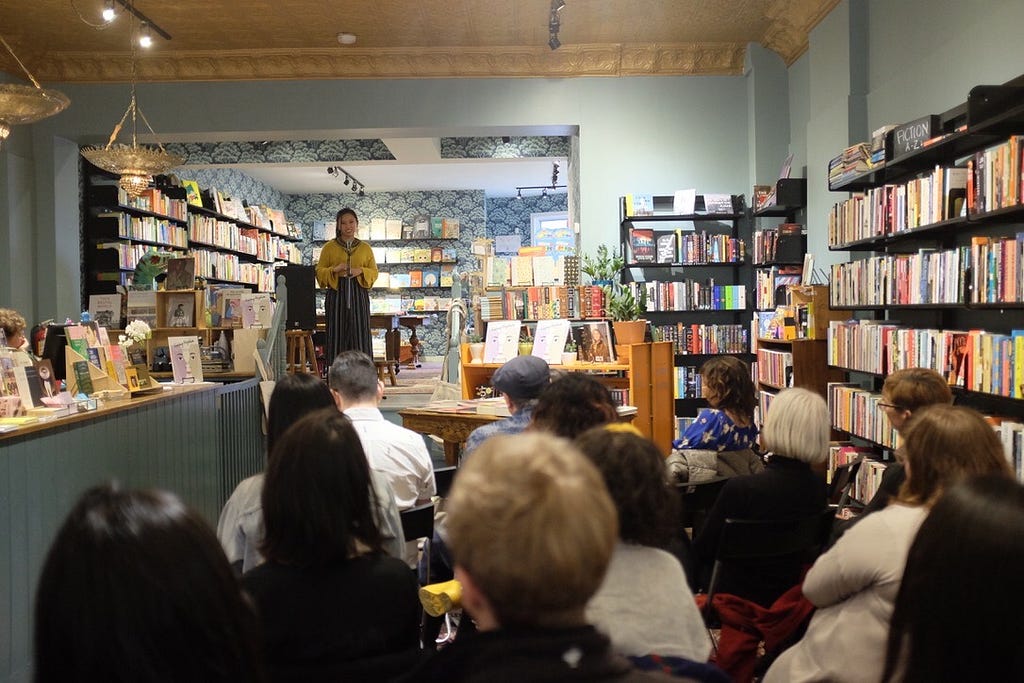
(418, 522)
(443, 477)
(697, 499)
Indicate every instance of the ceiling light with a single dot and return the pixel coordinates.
(557, 5)
(361, 192)
(108, 11)
(347, 38)
(519, 193)
(346, 179)
(145, 38)
(544, 192)
(330, 170)
(26, 104)
(554, 43)
(135, 164)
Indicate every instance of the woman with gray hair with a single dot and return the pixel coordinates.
(795, 434)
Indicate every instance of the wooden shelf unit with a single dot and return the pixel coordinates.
(647, 375)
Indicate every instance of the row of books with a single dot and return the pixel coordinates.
(764, 398)
(995, 177)
(236, 209)
(620, 396)
(544, 303)
(148, 228)
(681, 425)
(152, 199)
(431, 276)
(704, 339)
(997, 269)
(414, 254)
(786, 242)
(853, 161)
(775, 368)
(787, 321)
(687, 248)
(856, 411)
(522, 271)
(420, 304)
(896, 208)
(423, 227)
(844, 454)
(688, 382)
(976, 360)
(691, 295)
(221, 266)
(770, 285)
(925, 277)
(128, 254)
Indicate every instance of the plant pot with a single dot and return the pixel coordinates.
(476, 353)
(525, 348)
(568, 358)
(630, 331)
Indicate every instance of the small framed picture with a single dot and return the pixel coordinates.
(593, 341)
(180, 310)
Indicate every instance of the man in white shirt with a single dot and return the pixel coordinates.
(396, 452)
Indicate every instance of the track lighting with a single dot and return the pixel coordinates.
(350, 181)
(108, 11)
(543, 189)
(519, 193)
(554, 43)
(145, 38)
(555, 23)
(557, 5)
(346, 180)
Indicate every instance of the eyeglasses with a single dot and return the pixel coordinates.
(891, 405)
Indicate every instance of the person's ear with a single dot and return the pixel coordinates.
(338, 401)
(380, 390)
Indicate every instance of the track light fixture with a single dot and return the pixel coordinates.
(129, 6)
(108, 11)
(555, 23)
(145, 37)
(351, 182)
(543, 189)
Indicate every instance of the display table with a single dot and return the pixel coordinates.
(197, 441)
(452, 428)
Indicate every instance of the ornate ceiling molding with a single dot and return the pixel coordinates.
(791, 25)
(511, 62)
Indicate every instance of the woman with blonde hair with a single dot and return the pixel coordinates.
(854, 585)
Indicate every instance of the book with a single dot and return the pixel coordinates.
(181, 274)
(421, 227)
(257, 310)
(436, 226)
(180, 310)
(142, 306)
(378, 229)
(76, 339)
(186, 363)
(49, 384)
(192, 193)
(431, 276)
(549, 340)
(393, 229)
(30, 389)
(82, 379)
(641, 242)
(684, 202)
(665, 249)
(415, 278)
(502, 341)
(450, 228)
(105, 309)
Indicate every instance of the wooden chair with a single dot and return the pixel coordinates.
(386, 371)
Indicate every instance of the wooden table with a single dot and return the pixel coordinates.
(452, 428)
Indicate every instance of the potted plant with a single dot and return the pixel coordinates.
(476, 348)
(569, 352)
(603, 267)
(525, 341)
(625, 309)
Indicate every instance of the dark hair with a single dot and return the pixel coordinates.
(943, 444)
(634, 472)
(346, 210)
(353, 374)
(728, 384)
(136, 588)
(961, 590)
(572, 404)
(317, 499)
(294, 396)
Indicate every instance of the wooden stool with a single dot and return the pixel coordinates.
(386, 367)
(301, 354)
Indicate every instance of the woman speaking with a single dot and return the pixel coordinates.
(347, 269)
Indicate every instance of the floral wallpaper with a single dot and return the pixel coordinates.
(509, 215)
(281, 151)
(496, 148)
(235, 184)
(466, 205)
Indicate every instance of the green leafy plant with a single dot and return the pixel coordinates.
(570, 345)
(604, 266)
(622, 304)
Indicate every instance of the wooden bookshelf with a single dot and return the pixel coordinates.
(646, 373)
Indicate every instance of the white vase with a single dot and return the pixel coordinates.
(476, 353)
(569, 358)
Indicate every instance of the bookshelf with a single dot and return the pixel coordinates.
(645, 375)
(694, 273)
(937, 281)
(777, 251)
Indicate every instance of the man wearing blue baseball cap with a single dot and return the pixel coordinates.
(520, 381)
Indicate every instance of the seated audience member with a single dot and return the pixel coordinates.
(240, 528)
(959, 615)
(854, 584)
(332, 605)
(136, 588)
(532, 531)
(904, 392)
(722, 438)
(644, 603)
(520, 381)
(398, 453)
(796, 431)
(13, 325)
(572, 404)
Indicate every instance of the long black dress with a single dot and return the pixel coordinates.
(347, 307)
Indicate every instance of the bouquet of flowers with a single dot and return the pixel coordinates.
(137, 332)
